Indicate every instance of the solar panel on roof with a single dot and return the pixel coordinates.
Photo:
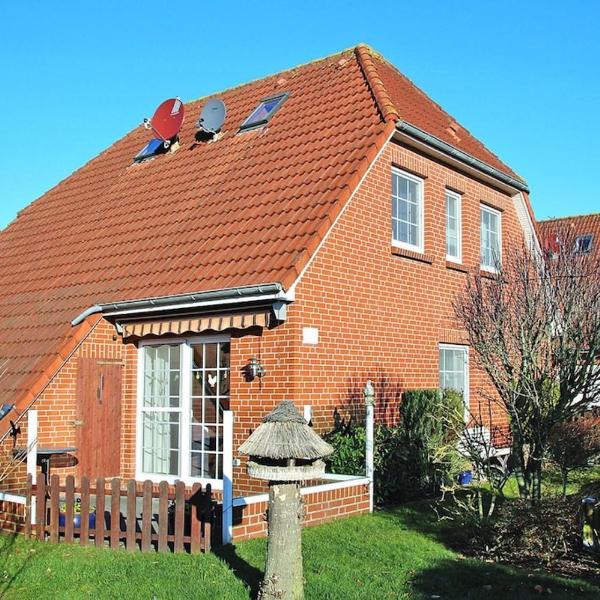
(5, 409)
(153, 147)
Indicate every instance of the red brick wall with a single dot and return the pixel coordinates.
(320, 507)
(380, 316)
(12, 517)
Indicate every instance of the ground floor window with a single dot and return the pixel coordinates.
(454, 369)
(184, 389)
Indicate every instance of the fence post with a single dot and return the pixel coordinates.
(32, 444)
(369, 394)
(308, 413)
(227, 477)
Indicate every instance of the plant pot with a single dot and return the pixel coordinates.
(77, 520)
(465, 477)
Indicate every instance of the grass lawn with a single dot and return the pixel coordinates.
(397, 553)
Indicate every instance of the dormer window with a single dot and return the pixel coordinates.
(264, 112)
(583, 244)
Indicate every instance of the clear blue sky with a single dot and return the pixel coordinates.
(524, 77)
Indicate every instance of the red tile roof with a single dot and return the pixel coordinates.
(247, 209)
(574, 227)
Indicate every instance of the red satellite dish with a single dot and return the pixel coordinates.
(167, 119)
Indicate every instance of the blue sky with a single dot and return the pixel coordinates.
(524, 77)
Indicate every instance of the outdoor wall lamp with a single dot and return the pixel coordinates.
(254, 369)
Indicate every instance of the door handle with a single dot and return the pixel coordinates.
(100, 392)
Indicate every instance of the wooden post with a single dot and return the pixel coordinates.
(40, 508)
(84, 517)
(208, 520)
(163, 516)
(227, 477)
(131, 515)
(369, 394)
(99, 529)
(147, 516)
(32, 445)
(69, 506)
(115, 512)
(196, 524)
(179, 515)
(54, 507)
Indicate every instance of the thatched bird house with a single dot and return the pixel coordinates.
(285, 451)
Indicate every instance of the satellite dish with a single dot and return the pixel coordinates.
(167, 120)
(212, 116)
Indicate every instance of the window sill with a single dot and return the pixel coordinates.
(411, 254)
(454, 266)
(488, 274)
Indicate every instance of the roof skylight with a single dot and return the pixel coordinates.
(583, 244)
(264, 112)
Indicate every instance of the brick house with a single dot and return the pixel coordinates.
(323, 242)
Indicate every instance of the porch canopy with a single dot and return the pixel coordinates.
(197, 324)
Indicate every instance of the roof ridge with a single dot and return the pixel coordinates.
(273, 74)
(569, 217)
(387, 108)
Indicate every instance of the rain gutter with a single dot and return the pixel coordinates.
(255, 293)
(439, 145)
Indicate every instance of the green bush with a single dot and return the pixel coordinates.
(432, 421)
(349, 458)
(412, 459)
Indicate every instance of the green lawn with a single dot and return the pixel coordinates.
(397, 553)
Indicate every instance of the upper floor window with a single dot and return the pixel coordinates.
(491, 238)
(407, 211)
(583, 244)
(453, 227)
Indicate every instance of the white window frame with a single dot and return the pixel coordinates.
(466, 393)
(185, 402)
(489, 209)
(449, 193)
(421, 208)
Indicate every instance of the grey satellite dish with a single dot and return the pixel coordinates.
(212, 116)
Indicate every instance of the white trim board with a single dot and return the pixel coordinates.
(346, 482)
(8, 497)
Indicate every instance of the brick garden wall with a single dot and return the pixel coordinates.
(319, 507)
(12, 517)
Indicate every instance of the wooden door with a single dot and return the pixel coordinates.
(99, 400)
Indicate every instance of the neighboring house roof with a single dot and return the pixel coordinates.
(246, 209)
(576, 226)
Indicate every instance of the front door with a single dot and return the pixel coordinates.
(99, 399)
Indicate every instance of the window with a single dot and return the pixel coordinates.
(454, 370)
(453, 227)
(264, 112)
(491, 240)
(583, 244)
(184, 392)
(407, 211)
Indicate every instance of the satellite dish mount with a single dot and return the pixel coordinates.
(212, 117)
(167, 120)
